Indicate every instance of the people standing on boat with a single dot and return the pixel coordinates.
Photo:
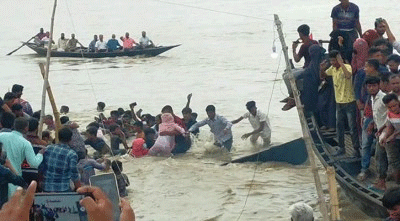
(304, 38)
(17, 90)
(311, 80)
(18, 149)
(346, 17)
(92, 45)
(59, 165)
(128, 42)
(220, 127)
(113, 44)
(101, 45)
(393, 63)
(260, 123)
(379, 118)
(145, 41)
(341, 41)
(380, 27)
(360, 55)
(391, 201)
(71, 44)
(390, 138)
(370, 36)
(345, 101)
(62, 43)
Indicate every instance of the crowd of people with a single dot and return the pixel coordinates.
(354, 85)
(64, 163)
(98, 44)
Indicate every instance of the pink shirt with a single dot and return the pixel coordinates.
(128, 42)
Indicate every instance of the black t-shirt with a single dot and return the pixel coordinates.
(115, 141)
(97, 144)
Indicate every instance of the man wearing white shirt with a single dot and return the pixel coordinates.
(101, 46)
(145, 41)
(260, 123)
(379, 112)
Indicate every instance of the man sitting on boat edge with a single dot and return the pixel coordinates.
(145, 41)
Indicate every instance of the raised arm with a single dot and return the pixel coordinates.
(347, 73)
(197, 125)
(132, 106)
(296, 56)
(189, 97)
(389, 33)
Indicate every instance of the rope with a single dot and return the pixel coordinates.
(93, 91)
(213, 10)
(269, 105)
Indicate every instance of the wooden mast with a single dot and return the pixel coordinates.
(46, 75)
(306, 132)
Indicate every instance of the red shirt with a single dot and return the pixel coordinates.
(180, 122)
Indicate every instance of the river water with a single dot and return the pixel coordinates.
(225, 60)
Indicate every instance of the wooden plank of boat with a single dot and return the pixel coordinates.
(148, 52)
(367, 199)
(293, 152)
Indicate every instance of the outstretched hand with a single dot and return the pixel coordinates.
(17, 208)
(189, 96)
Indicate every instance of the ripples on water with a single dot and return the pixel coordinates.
(224, 60)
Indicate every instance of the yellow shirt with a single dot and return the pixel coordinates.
(344, 91)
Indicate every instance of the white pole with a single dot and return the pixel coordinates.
(46, 76)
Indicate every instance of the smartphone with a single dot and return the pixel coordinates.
(108, 184)
(58, 206)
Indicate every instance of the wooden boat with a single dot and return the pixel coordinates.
(147, 52)
(293, 152)
(347, 168)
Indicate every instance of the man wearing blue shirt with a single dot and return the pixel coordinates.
(113, 44)
(346, 17)
(220, 127)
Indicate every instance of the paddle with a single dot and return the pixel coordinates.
(21, 46)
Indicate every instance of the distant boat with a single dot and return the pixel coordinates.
(147, 52)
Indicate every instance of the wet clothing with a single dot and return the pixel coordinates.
(77, 142)
(165, 144)
(86, 169)
(255, 122)
(138, 148)
(59, 168)
(218, 125)
(115, 141)
(123, 182)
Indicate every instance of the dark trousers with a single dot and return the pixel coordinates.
(347, 112)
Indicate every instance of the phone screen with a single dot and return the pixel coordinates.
(58, 206)
(108, 184)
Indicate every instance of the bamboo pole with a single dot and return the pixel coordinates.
(46, 76)
(335, 214)
(306, 132)
(53, 103)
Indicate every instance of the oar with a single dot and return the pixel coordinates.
(21, 46)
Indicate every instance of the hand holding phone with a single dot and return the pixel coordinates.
(99, 208)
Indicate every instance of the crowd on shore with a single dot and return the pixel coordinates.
(98, 44)
(356, 85)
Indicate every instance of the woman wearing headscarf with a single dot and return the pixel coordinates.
(360, 55)
(311, 79)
